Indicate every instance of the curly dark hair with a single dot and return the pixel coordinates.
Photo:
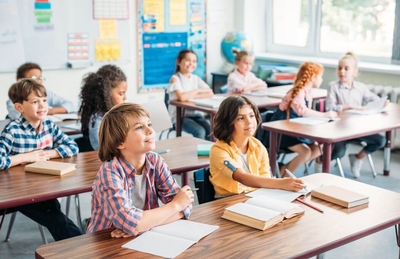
(227, 114)
(24, 68)
(95, 94)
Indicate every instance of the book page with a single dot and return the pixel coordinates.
(186, 229)
(159, 244)
(313, 120)
(272, 204)
(282, 194)
(253, 211)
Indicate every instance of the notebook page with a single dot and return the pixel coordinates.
(271, 203)
(282, 194)
(253, 211)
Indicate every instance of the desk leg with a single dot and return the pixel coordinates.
(185, 179)
(273, 137)
(397, 229)
(178, 126)
(326, 158)
(386, 157)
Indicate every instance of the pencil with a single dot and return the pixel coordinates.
(172, 194)
(309, 205)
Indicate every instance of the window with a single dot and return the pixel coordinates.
(327, 28)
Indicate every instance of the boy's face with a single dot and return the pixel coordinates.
(33, 110)
(35, 74)
(140, 138)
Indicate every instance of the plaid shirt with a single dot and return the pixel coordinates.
(113, 189)
(20, 137)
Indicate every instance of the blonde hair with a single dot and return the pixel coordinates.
(350, 55)
(239, 54)
(114, 128)
(307, 71)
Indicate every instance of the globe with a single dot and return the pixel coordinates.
(235, 40)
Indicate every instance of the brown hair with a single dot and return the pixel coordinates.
(20, 91)
(239, 54)
(115, 126)
(181, 56)
(227, 114)
(24, 68)
(307, 71)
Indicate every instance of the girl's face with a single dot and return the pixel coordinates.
(188, 63)
(317, 81)
(245, 123)
(245, 64)
(347, 70)
(118, 93)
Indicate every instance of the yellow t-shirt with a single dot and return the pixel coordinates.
(221, 176)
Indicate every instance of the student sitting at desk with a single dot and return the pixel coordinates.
(100, 92)
(30, 138)
(345, 94)
(33, 71)
(185, 85)
(242, 79)
(132, 178)
(235, 123)
(297, 103)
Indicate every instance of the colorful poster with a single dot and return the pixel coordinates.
(78, 46)
(159, 43)
(107, 28)
(107, 49)
(110, 9)
(43, 15)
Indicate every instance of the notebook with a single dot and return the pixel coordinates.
(313, 120)
(267, 92)
(63, 117)
(50, 167)
(204, 149)
(213, 102)
(371, 107)
(262, 212)
(340, 196)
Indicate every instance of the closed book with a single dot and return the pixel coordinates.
(50, 167)
(262, 212)
(203, 149)
(340, 196)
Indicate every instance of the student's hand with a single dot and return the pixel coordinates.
(118, 233)
(330, 114)
(37, 155)
(183, 198)
(293, 185)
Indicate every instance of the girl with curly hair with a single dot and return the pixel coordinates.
(297, 103)
(99, 93)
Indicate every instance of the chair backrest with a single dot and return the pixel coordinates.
(166, 98)
(202, 181)
(84, 144)
(320, 105)
(3, 124)
(159, 115)
(260, 133)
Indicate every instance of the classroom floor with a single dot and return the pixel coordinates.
(25, 236)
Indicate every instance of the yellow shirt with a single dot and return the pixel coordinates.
(221, 176)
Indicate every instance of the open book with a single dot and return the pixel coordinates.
(261, 212)
(340, 196)
(63, 117)
(371, 107)
(313, 120)
(213, 102)
(283, 195)
(50, 167)
(171, 239)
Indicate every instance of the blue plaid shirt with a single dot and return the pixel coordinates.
(20, 137)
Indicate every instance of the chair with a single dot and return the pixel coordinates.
(224, 89)
(166, 102)
(205, 192)
(12, 219)
(84, 144)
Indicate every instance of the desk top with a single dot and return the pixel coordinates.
(316, 93)
(19, 188)
(349, 126)
(300, 237)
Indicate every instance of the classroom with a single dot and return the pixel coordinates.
(281, 32)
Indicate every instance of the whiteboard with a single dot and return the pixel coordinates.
(38, 31)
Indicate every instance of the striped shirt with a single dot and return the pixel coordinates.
(20, 137)
(113, 189)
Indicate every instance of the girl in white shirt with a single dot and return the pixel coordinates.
(242, 79)
(185, 85)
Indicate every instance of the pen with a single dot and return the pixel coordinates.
(294, 177)
(172, 194)
(163, 151)
(309, 205)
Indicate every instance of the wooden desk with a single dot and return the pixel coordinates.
(300, 237)
(20, 188)
(316, 93)
(348, 127)
(260, 102)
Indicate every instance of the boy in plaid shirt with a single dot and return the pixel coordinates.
(30, 138)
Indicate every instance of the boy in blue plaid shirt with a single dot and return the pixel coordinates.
(30, 138)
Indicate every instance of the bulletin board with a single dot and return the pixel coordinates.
(58, 34)
(166, 27)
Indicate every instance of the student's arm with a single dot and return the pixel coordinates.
(332, 99)
(301, 109)
(12, 112)
(63, 146)
(185, 96)
(255, 84)
(59, 104)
